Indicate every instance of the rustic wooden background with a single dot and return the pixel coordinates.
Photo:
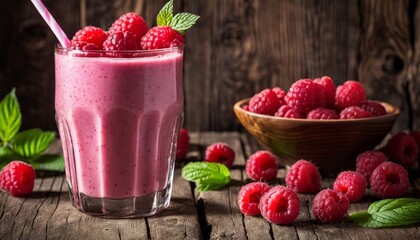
(237, 48)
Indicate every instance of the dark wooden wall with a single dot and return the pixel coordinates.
(237, 48)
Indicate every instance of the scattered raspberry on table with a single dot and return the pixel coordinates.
(352, 184)
(249, 197)
(367, 161)
(330, 206)
(402, 148)
(280, 205)
(183, 144)
(262, 166)
(303, 177)
(17, 178)
(389, 180)
(221, 153)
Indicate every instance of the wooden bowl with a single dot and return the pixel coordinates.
(331, 144)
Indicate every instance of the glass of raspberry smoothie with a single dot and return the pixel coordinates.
(118, 116)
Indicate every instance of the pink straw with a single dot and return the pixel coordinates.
(57, 30)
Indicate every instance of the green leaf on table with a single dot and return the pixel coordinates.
(31, 143)
(165, 15)
(183, 21)
(49, 162)
(389, 213)
(207, 175)
(10, 117)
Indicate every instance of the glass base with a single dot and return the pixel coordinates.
(133, 207)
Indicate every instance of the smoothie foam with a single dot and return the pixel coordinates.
(118, 119)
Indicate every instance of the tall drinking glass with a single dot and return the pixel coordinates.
(118, 115)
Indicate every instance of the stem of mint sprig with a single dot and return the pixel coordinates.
(29, 145)
(181, 22)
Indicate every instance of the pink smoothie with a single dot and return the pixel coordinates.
(118, 118)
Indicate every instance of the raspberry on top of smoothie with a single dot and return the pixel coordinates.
(130, 32)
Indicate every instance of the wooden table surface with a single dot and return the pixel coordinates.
(48, 213)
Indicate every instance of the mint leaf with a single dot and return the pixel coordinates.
(31, 143)
(49, 162)
(183, 21)
(10, 117)
(165, 15)
(207, 175)
(389, 213)
(6, 156)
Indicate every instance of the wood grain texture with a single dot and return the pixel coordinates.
(386, 53)
(48, 213)
(27, 58)
(413, 83)
(237, 48)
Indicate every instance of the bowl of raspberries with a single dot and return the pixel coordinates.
(317, 120)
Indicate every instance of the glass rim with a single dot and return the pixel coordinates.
(62, 49)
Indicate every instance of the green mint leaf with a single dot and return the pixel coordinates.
(389, 213)
(31, 143)
(49, 162)
(165, 15)
(10, 117)
(207, 175)
(183, 21)
(6, 156)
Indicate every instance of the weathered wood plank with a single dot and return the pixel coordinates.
(221, 208)
(386, 54)
(413, 83)
(255, 226)
(48, 213)
(237, 48)
(180, 220)
(27, 57)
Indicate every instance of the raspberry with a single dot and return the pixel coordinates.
(84, 46)
(303, 177)
(280, 95)
(280, 205)
(183, 144)
(262, 166)
(322, 113)
(354, 112)
(287, 112)
(265, 102)
(121, 41)
(130, 22)
(249, 197)
(329, 206)
(17, 178)
(402, 149)
(416, 137)
(246, 108)
(351, 93)
(221, 153)
(89, 34)
(373, 107)
(389, 180)
(330, 88)
(305, 95)
(352, 184)
(161, 37)
(367, 161)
